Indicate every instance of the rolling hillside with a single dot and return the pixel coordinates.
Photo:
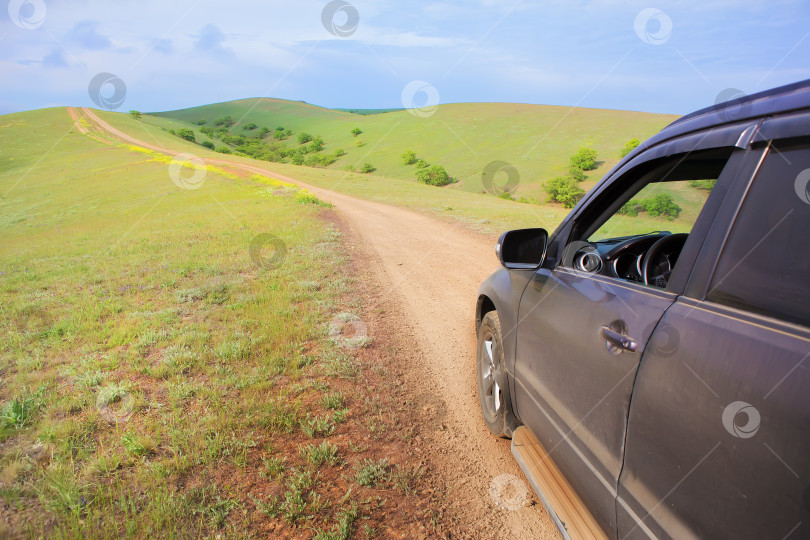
(537, 140)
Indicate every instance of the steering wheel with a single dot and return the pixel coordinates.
(673, 241)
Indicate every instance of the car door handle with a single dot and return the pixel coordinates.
(618, 340)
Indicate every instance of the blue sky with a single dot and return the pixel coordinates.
(670, 57)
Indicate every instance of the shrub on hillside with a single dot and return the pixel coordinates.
(208, 144)
(226, 121)
(249, 127)
(223, 150)
(703, 184)
(186, 134)
(577, 174)
(207, 131)
(368, 168)
(304, 137)
(584, 159)
(563, 190)
(135, 114)
(200, 122)
(409, 157)
(435, 175)
(662, 205)
(421, 163)
(629, 146)
(357, 131)
(632, 208)
(316, 145)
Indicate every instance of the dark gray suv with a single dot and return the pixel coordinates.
(650, 357)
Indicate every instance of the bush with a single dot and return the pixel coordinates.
(577, 174)
(186, 134)
(368, 168)
(435, 175)
(208, 144)
(135, 114)
(357, 131)
(563, 190)
(421, 163)
(304, 138)
(316, 145)
(264, 131)
(200, 122)
(409, 157)
(629, 146)
(226, 121)
(223, 150)
(662, 205)
(632, 208)
(584, 159)
(339, 152)
(703, 184)
(234, 140)
(207, 131)
(250, 127)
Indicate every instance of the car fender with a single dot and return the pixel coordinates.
(501, 291)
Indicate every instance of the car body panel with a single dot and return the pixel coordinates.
(571, 391)
(691, 469)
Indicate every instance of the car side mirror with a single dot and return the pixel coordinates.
(522, 249)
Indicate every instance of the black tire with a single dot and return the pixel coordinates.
(491, 377)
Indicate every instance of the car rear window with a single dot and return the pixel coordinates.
(763, 267)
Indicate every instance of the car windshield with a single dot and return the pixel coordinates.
(659, 207)
(628, 237)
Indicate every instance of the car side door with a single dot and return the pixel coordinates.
(718, 442)
(572, 387)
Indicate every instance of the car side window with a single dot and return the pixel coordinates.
(763, 266)
(638, 226)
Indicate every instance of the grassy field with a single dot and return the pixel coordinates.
(479, 211)
(537, 140)
(172, 360)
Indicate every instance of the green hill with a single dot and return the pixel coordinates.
(536, 139)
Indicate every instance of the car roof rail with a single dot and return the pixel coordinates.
(748, 99)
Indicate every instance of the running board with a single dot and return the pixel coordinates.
(557, 495)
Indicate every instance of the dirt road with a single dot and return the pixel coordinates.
(431, 270)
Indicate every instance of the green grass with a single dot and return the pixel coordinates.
(152, 373)
(369, 472)
(494, 131)
(464, 137)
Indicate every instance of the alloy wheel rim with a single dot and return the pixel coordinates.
(489, 377)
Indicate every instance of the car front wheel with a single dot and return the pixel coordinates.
(491, 380)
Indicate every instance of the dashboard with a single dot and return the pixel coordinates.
(624, 257)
